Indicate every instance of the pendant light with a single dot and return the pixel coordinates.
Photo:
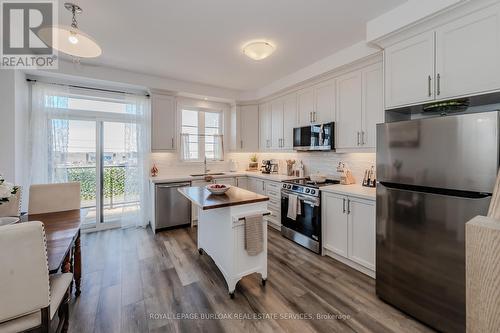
(71, 40)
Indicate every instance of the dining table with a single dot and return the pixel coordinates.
(62, 233)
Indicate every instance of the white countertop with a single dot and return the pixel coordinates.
(255, 174)
(355, 190)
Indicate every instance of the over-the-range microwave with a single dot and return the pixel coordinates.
(315, 137)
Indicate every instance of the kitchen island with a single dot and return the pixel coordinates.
(221, 231)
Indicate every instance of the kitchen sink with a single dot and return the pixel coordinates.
(208, 174)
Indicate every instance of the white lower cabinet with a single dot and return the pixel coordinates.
(349, 231)
(273, 191)
(227, 181)
(242, 182)
(257, 185)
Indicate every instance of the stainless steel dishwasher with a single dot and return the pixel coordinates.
(172, 208)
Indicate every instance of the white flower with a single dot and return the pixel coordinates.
(6, 190)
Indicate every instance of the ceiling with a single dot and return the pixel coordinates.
(200, 40)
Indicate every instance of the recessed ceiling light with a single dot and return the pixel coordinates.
(206, 98)
(258, 50)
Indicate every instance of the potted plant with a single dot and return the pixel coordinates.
(253, 165)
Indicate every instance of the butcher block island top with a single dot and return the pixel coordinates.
(235, 196)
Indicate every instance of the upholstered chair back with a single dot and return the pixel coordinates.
(48, 198)
(24, 274)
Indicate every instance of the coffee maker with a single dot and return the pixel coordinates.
(266, 166)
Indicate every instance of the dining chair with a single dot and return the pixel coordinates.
(29, 297)
(13, 206)
(48, 198)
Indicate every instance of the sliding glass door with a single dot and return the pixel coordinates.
(99, 139)
(74, 157)
(103, 157)
(120, 195)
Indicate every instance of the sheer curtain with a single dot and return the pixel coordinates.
(48, 134)
(207, 142)
(137, 146)
(55, 106)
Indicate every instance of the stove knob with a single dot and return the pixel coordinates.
(313, 191)
(289, 186)
(308, 190)
(284, 185)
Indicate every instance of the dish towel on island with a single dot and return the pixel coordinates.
(294, 207)
(254, 234)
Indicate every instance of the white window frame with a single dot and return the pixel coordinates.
(201, 129)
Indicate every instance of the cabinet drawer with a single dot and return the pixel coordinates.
(273, 186)
(274, 203)
(274, 206)
(273, 194)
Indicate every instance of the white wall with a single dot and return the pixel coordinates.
(7, 124)
(324, 162)
(405, 15)
(333, 62)
(100, 75)
(13, 124)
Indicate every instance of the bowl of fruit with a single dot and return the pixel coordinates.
(218, 189)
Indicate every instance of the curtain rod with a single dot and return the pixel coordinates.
(89, 88)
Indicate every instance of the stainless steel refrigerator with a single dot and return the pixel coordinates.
(434, 174)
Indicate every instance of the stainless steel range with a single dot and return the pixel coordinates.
(304, 227)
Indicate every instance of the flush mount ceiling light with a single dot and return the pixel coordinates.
(71, 40)
(258, 50)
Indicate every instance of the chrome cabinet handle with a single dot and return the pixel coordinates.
(362, 137)
(315, 118)
(343, 206)
(439, 84)
(348, 206)
(241, 144)
(429, 79)
(310, 117)
(172, 144)
(358, 138)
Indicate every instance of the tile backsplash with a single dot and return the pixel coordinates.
(324, 162)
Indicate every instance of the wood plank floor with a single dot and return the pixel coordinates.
(135, 281)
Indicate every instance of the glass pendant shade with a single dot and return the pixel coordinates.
(71, 41)
(258, 50)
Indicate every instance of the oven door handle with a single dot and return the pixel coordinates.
(304, 200)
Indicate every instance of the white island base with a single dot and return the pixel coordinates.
(221, 235)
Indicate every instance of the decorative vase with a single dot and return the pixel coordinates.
(154, 170)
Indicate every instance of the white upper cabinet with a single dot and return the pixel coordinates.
(289, 120)
(468, 54)
(409, 74)
(249, 128)
(456, 59)
(359, 107)
(349, 107)
(324, 102)
(372, 104)
(305, 102)
(276, 123)
(163, 123)
(316, 104)
(265, 126)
